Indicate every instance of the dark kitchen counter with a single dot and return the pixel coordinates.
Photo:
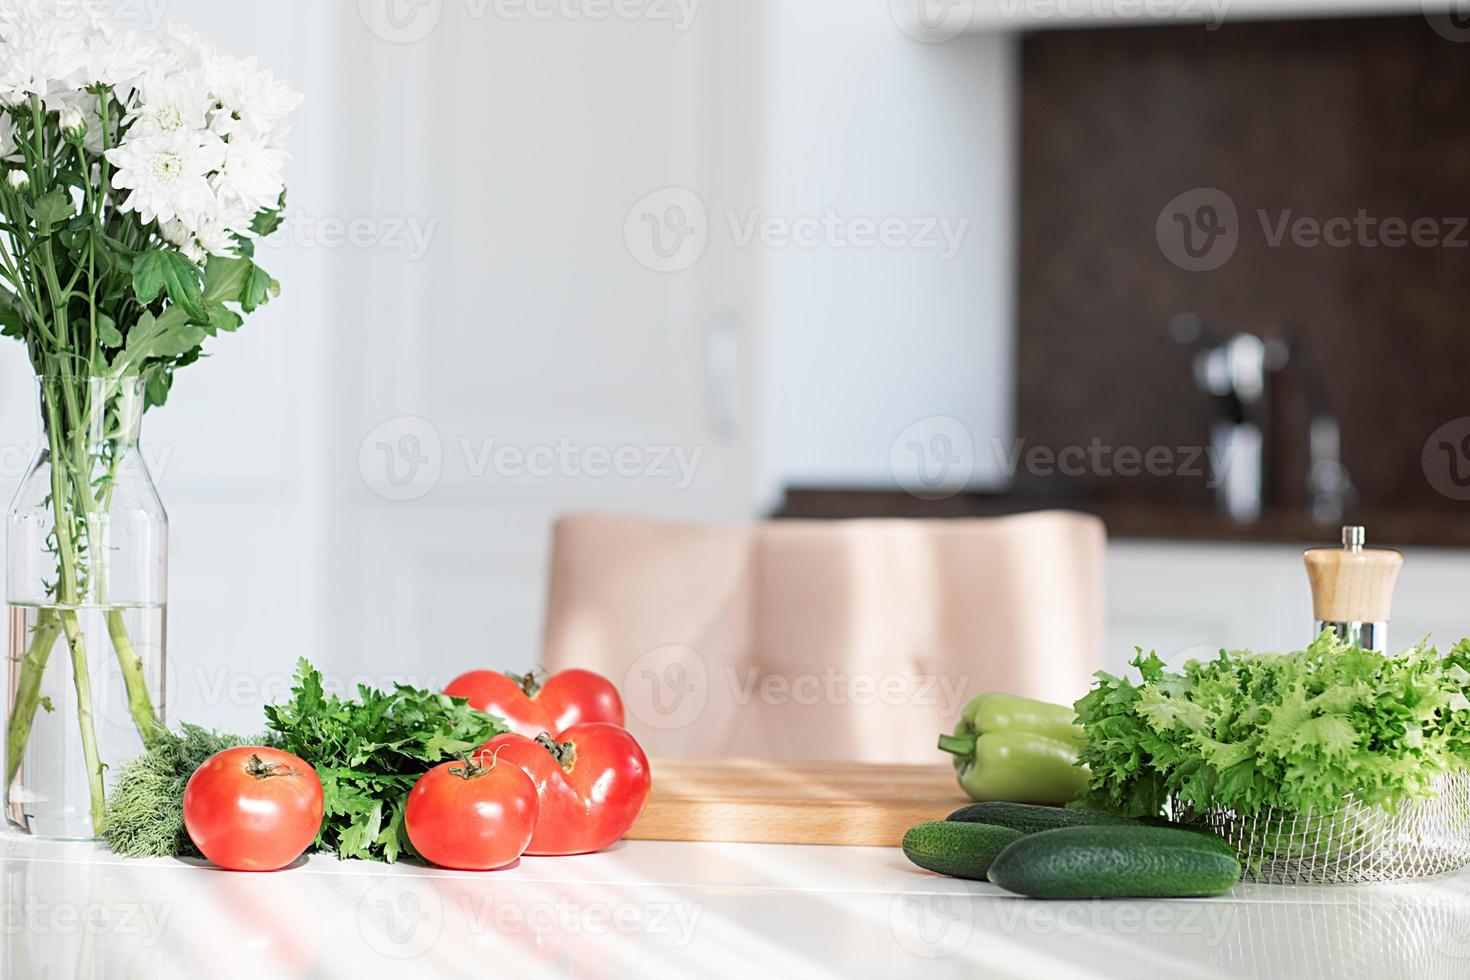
(1438, 528)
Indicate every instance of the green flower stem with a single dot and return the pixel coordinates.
(140, 702)
(83, 679)
(68, 594)
(28, 691)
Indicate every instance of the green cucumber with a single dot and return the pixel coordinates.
(1030, 819)
(960, 850)
(1115, 861)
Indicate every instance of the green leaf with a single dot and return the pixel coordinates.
(107, 332)
(12, 321)
(259, 288)
(50, 210)
(238, 280)
(222, 319)
(1294, 731)
(369, 751)
(168, 335)
(224, 279)
(169, 271)
(157, 381)
(267, 221)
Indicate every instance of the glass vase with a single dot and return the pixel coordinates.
(86, 593)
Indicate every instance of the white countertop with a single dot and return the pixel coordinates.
(654, 910)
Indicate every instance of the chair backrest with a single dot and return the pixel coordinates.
(830, 640)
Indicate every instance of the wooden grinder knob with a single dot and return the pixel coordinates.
(1352, 584)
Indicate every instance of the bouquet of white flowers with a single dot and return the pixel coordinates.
(137, 175)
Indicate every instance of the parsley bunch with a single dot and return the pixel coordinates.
(1291, 731)
(370, 751)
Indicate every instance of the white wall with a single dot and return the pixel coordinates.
(866, 342)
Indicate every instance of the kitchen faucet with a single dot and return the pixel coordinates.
(1237, 369)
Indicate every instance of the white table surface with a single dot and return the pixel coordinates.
(654, 910)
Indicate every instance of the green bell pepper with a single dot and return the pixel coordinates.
(1017, 750)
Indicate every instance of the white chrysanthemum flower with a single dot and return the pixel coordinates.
(38, 57)
(76, 16)
(120, 60)
(176, 233)
(168, 174)
(73, 122)
(185, 50)
(250, 177)
(250, 100)
(18, 179)
(180, 237)
(216, 235)
(172, 101)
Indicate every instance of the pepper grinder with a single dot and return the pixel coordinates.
(1352, 589)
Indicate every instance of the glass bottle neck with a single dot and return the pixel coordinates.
(91, 412)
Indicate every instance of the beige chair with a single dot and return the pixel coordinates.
(856, 640)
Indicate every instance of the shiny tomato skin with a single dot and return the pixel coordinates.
(572, 697)
(494, 693)
(591, 804)
(475, 816)
(253, 808)
(565, 699)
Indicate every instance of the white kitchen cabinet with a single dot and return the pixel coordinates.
(560, 318)
(1189, 599)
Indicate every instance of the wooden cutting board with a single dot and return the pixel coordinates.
(765, 801)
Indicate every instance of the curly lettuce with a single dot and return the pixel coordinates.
(1292, 731)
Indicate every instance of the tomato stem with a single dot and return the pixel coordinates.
(565, 753)
(473, 768)
(261, 769)
(529, 682)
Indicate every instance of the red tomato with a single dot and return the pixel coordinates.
(252, 808)
(476, 815)
(567, 698)
(593, 780)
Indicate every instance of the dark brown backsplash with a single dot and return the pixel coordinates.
(1316, 118)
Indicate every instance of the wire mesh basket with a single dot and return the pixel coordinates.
(1355, 842)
